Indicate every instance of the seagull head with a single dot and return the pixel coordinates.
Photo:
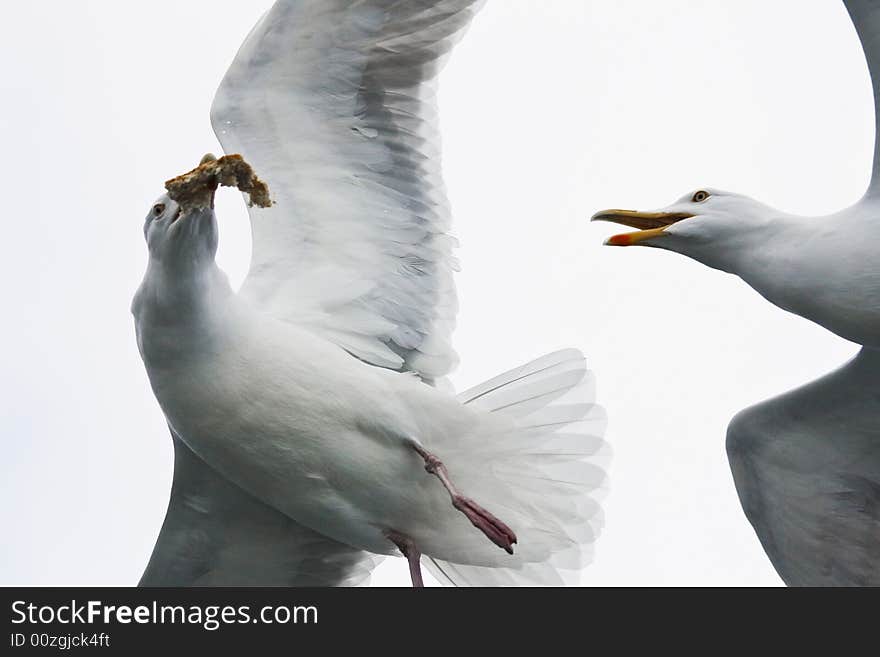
(712, 226)
(180, 239)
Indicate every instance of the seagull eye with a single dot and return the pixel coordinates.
(700, 196)
(158, 209)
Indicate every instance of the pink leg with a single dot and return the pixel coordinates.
(495, 530)
(408, 548)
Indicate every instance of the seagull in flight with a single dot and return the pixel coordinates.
(807, 463)
(313, 425)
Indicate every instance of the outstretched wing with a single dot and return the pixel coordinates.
(333, 103)
(865, 15)
(216, 534)
(807, 470)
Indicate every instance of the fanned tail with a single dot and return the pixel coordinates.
(546, 476)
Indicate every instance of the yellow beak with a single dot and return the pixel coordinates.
(650, 224)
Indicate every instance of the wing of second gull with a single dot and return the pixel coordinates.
(807, 469)
(216, 534)
(333, 102)
(807, 463)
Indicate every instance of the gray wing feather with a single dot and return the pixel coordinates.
(807, 469)
(333, 102)
(216, 534)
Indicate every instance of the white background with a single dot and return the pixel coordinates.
(551, 109)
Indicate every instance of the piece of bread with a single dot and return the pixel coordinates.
(195, 189)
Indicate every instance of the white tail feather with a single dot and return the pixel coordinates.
(546, 475)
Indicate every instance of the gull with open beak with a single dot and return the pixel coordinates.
(649, 224)
(807, 463)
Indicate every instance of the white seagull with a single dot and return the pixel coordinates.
(312, 424)
(807, 463)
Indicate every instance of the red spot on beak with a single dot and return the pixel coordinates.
(620, 240)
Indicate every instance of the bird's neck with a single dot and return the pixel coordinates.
(756, 255)
(821, 268)
(174, 308)
(789, 268)
(767, 264)
(180, 292)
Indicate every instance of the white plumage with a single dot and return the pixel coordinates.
(307, 390)
(334, 103)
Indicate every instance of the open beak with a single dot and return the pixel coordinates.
(649, 224)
